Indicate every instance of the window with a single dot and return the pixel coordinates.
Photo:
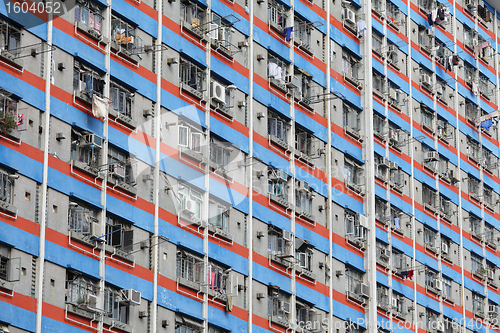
(217, 278)
(445, 129)
(380, 210)
(190, 268)
(427, 118)
(219, 154)
(120, 165)
(470, 37)
(303, 255)
(474, 187)
(82, 219)
(187, 325)
(278, 242)
(190, 138)
(432, 320)
(445, 207)
(354, 281)
(123, 35)
(381, 167)
(119, 234)
(379, 83)
(303, 141)
(78, 288)
(350, 67)
(397, 178)
(429, 198)
(218, 216)
(398, 260)
(430, 278)
(193, 17)
(353, 174)
(304, 83)
(378, 125)
(190, 201)
(427, 5)
(192, 77)
(10, 268)
(351, 118)
(475, 226)
(89, 15)
(353, 227)
(305, 315)
(6, 188)
(87, 81)
(443, 166)
(400, 304)
(277, 14)
(86, 149)
(114, 307)
(447, 288)
(441, 89)
(395, 93)
(490, 161)
(396, 218)
(382, 297)
(430, 238)
(474, 150)
(302, 32)
(277, 70)
(221, 96)
(489, 197)
(425, 37)
(377, 40)
(486, 88)
(277, 183)
(10, 37)
(303, 200)
(278, 306)
(382, 254)
(469, 74)
(222, 34)
(395, 17)
(122, 99)
(478, 304)
(489, 234)
(476, 264)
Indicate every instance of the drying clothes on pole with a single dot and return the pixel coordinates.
(475, 89)
(361, 27)
(487, 124)
(288, 33)
(99, 107)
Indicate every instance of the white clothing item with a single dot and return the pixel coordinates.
(99, 107)
(475, 90)
(361, 26)
(273, 69)
(279, 73)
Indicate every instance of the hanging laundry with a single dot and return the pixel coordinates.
(396, 222)
(454, 60)
(361, 27)
(404, 274)
(410, 274)
(487, 124)
(485, 44)
(288, 33)
(99, 107)
(475, 90)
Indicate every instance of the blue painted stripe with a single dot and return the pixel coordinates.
(19, 239)
(67, 258)
(17, 317)
(427, 302)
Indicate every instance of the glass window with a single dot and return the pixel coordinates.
(89, 14)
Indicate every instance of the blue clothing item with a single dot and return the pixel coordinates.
(88, 85)
(288, 33)
(487, 124)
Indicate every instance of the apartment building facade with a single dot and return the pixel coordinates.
(234, 166)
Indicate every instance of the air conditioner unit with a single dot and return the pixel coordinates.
(350, 15)
(394, 302)
(91, 301)
(491, 274)
(431, 155)
(287, 235)
(444, 248)
(426, 79)
(8, 55)
(260, 234)
(493, 308)
(259, 174)
(393, 165)
(143, 314)
(339, 272)
(119, 171)
(386, 162)
(218, 92)
(92, 139)
(393, 94)
(387, 252)
(260, 296)
(440, 326)
(438, 284)
(291, 81)
(285, 306)
(393, 134)
(95, 230)
(189, 205)
(132, 296)
(303, 185)
(365, 290)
